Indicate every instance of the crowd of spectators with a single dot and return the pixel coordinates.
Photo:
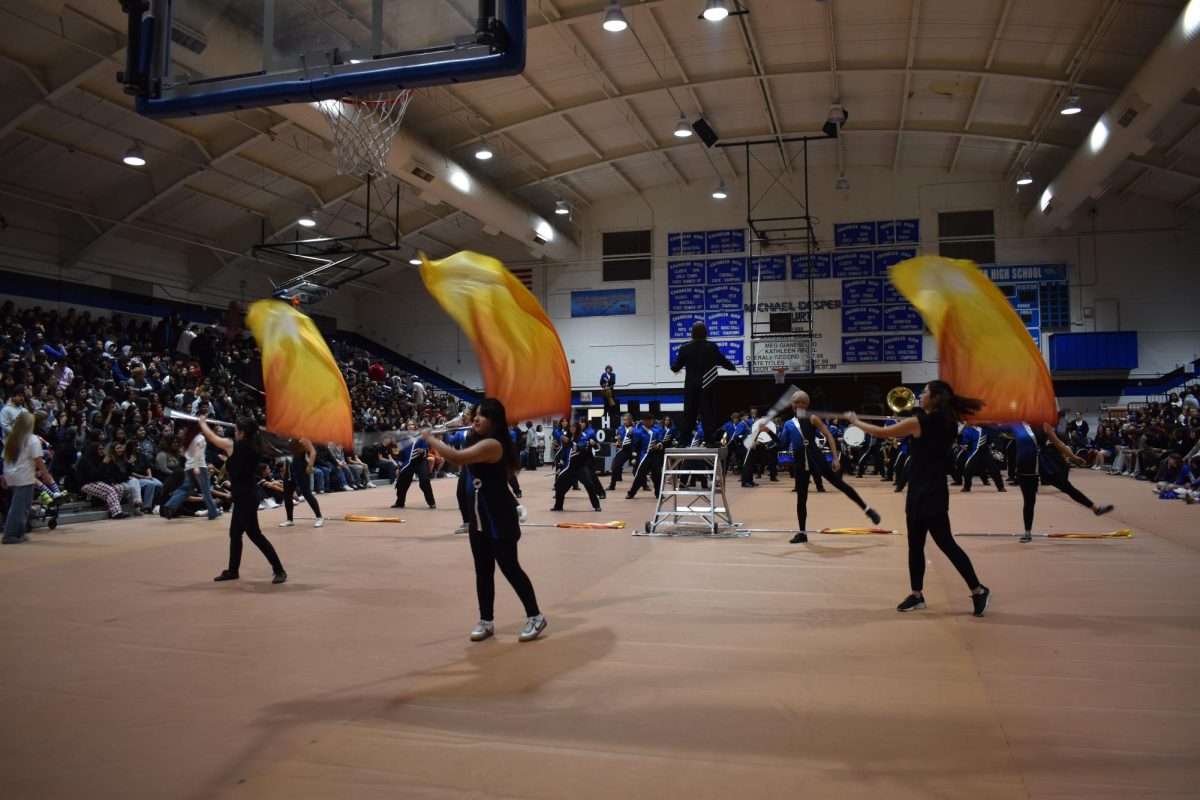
(101, 389)
(1156, 441)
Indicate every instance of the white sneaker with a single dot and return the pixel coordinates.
(319, 522)
(483, 630)
(200, 513)
(461, 528)
(156, 511)
(271, 503)
(287, 523)
(533, 628)
(350, 489)
(262, 506)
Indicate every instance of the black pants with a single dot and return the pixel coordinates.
(1059, 481)
(802, 476)
(650, 467)
(699, 404)
(244, 519)
(939, 528)
(872, 455)
(460, 493)
(816, 460)
(901, 470)
(1029, 490)
(487, 553)
(624, 455)
(981, 463)
(514, 484)
(295, 478)
(563, 481)
(420, 469)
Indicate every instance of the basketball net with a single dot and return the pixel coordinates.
(364, 129)
(780, 374)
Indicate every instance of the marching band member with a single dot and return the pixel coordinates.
(648, 441)
(624, 446)
(933, 428)
(413, 462)
(1040, 455)
(572, 467)
(979, 459)
(799, 435)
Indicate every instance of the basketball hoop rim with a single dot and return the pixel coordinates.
(359, 101)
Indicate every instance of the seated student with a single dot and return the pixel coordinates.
(270, 487)
(386, 463)
(358, 471)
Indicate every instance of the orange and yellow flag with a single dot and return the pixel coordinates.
(984, 350)
(306, 394)
(519, 351)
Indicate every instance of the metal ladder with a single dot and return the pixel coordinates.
(692, 512)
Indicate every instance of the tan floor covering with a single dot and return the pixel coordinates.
(699, 668)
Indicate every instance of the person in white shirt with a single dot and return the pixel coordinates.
(195, 481)
(22, 465)
(12, 409)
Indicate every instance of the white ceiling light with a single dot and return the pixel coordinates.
(561, 207)
(843, 184)
(715, 11)
(134, 156)
(719, 193)
(1071, 106)
(484, 151)
(614, 18)
(415, 260)
(308, 219)
(682, 129)
(1024, 179)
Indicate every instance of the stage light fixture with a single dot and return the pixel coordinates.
(715, 11)
(134, 156)
(614, 18)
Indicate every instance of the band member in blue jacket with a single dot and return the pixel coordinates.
(592, 444)
(571, 466)
(648, 442)
(623, 444)
(799, 435)
(413, 460)
(979, 459)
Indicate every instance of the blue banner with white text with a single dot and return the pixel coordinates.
(603, 303)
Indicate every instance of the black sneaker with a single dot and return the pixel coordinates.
(799, 538)
(981, 601)
(630, 496)
(397, 505)
(1099, 510)
(557, 508)
(597, 507)
(1000, 488)
(280, 577)
(1026, 537)
(911, 603)
(226, 575)
(874, 515)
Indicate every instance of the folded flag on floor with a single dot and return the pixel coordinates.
(984, 350)
(366, 518)
(519, 351)
(306, 394)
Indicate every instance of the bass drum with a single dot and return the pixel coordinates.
(854, 436)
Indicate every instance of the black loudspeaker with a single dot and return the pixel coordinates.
(635, 409)
(656, 409)
(705, 132)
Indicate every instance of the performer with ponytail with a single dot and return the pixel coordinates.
(799, 436)
(492, 510)
(933, 428)
(297, 476)
(244, 451)
(1036, 450)
(413, 463)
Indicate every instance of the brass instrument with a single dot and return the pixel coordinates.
(901, 399)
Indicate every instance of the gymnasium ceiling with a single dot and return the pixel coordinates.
(957, 86)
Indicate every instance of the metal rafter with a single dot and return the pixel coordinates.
(987, 65)
(908, 64)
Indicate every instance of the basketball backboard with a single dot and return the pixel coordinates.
(206, 56)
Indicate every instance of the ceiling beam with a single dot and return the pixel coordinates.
(912, 51)
(987, 65)
(76, 67)
(790, 75)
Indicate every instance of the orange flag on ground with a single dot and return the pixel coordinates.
(519, 351)
(984, 350)
(306, 395)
